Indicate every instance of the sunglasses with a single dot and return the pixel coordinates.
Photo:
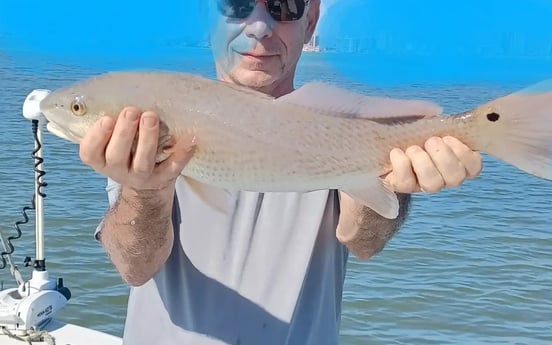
(279, 10)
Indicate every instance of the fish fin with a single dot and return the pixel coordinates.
(518, 129)
(166, 143)
(216, 198)
(378, 196)
(332, 100)
(164, 153)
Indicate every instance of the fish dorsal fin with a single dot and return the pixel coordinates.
(331, 100)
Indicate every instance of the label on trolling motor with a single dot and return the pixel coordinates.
(46, 312)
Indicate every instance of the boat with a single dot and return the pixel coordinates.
(28, 310)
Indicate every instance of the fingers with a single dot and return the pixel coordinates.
(471, 160)
(146, 148)
(93, 145)
(428, 175)
(402, 177)
(118, 151)
(445, 162)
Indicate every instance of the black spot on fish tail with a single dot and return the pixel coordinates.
(493, 117)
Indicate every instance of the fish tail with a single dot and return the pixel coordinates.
(517, 129)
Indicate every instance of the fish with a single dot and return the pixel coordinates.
(318, 137)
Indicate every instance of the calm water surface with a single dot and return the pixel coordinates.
(471, 266)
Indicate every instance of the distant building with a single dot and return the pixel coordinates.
(313, 45)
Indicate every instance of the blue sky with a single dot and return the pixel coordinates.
(449, 32)
(435, 40)
(98, 26)
(325, 4)
(112, 26)
(473, 25)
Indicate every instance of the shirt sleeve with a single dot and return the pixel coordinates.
(112, 189)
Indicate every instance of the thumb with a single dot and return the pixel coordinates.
(180, 155)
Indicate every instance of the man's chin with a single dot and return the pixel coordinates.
(257, 79)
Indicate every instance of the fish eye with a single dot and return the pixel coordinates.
(78, 107)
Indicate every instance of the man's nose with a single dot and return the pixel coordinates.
(259, 23)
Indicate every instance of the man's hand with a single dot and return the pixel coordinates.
(107, 149)
(443, 162)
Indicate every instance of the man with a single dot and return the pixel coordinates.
(269, 271)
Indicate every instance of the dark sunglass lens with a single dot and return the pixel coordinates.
(286, 10)
(237, 9)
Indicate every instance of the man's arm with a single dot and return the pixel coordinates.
(364, 232)
(137, 233)
(137, 230)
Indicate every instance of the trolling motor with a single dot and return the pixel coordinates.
(28, 307)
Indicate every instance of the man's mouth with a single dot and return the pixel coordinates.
(257, 58)
(258, 55)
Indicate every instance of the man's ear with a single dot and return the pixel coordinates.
(313, 15)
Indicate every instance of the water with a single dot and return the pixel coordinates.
(471, 265)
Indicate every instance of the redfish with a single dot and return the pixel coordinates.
(317, 137)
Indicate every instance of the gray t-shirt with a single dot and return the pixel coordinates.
(268, 270)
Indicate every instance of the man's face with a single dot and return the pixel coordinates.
(258, 51)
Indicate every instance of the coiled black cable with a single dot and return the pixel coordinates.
(38, 160)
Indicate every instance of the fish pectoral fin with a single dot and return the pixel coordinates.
(216, 198)
(378, 196)
(331, 100)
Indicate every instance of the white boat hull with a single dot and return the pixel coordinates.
(68, 334)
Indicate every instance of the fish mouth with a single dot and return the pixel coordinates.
(66, 134)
